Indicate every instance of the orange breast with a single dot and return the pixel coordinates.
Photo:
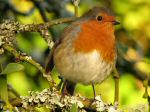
(96, 36)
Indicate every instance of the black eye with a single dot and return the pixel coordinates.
(99, 18)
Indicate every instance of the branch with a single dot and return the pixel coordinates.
(76, 4)
(9, 29)
(23, 57)
(51, 98)
(43, 28)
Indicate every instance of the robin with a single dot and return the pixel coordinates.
(86, 50)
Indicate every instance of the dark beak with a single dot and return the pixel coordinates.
(116, 22)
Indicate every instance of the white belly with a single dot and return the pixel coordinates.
(84, 68)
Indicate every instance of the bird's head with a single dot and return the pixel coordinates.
(100, 15)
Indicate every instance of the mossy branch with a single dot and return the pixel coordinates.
(9, 29)
(52, 99)
(24, 57)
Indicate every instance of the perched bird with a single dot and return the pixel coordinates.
(86, 50)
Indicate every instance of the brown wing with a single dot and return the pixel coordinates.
(50, 63)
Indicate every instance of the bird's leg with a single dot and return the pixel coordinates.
(116, 78)
(68, 88)
(63, 90)
(93, 90)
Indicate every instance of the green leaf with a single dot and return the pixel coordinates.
(74, 108)
(13, 67)
(3, 88)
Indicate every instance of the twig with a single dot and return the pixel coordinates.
(76, 3)
(43, 28)
(23, 57)
(116, 77)
(8, 29)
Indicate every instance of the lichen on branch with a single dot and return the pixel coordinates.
(52, 99)
(9, 29)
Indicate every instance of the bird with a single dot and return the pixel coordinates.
(86, 50)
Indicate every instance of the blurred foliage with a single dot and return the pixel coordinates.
(133, 42)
